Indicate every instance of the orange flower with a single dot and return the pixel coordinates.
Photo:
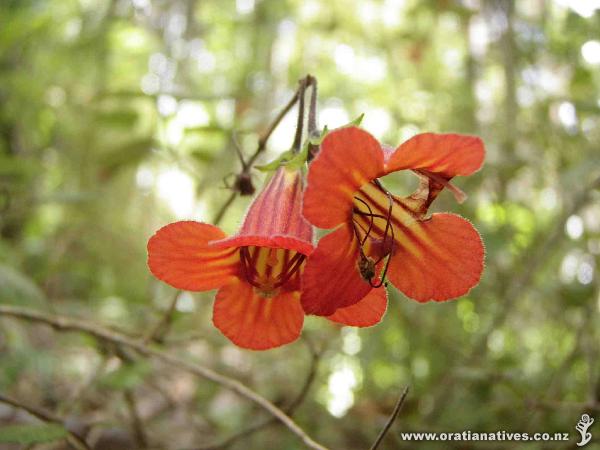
(257, 271)
(378, 234)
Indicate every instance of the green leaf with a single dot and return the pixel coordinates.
(32, 434)
(18, 169)
(203, 155)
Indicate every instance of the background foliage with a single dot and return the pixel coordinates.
(117, 117)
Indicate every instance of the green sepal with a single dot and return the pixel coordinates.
(356, 122)
(319, 140)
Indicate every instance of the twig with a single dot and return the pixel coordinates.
(136, 421)
(313, 149)
(247, 166)
(159, 331)
(63, 323)
(221, 212)
(312, 108)
(262, 141)
(289, 410)
(391, 420)
(79, 393)
(300, 123)
(45, 416)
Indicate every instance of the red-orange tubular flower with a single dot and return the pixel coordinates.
(379, 235)
(257, 271)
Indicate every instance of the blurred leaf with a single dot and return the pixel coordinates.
(205, 156)
(125, 118)
(18, 168)
(206, 129)
(18, 288)
(127, 376)
(130, 153)
(32, 434)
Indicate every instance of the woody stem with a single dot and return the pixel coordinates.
(300, 124)
(312, 107)
(312, 111)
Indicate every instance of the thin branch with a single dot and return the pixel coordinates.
(80, 392)
(262, 144)
(289, 410)
(300, 123)
(160, 330)
(391, 420)
(137, 424)
(313, 132)
(46, 416)
(221, 212)
(262, 141)
(63, 323)
(312, 108)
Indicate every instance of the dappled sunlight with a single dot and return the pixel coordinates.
(344, 379)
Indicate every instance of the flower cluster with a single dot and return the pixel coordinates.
(269, 275)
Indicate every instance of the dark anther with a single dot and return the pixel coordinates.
(366, 267)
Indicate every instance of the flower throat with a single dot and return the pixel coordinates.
(269, 269)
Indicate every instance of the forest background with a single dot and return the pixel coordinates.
(118, 116)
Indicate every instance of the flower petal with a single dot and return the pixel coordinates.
(443, 260)
(255, 322)
(274, 219)
(277, 210)
(348, 158)
(447, 154)
(367, 312)
(331, 279)
(179, 255)
(285, 242)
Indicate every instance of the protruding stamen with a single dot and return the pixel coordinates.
(275, 271)
(370, 223)
(289, 270)
(248, 267)
(367, 266)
